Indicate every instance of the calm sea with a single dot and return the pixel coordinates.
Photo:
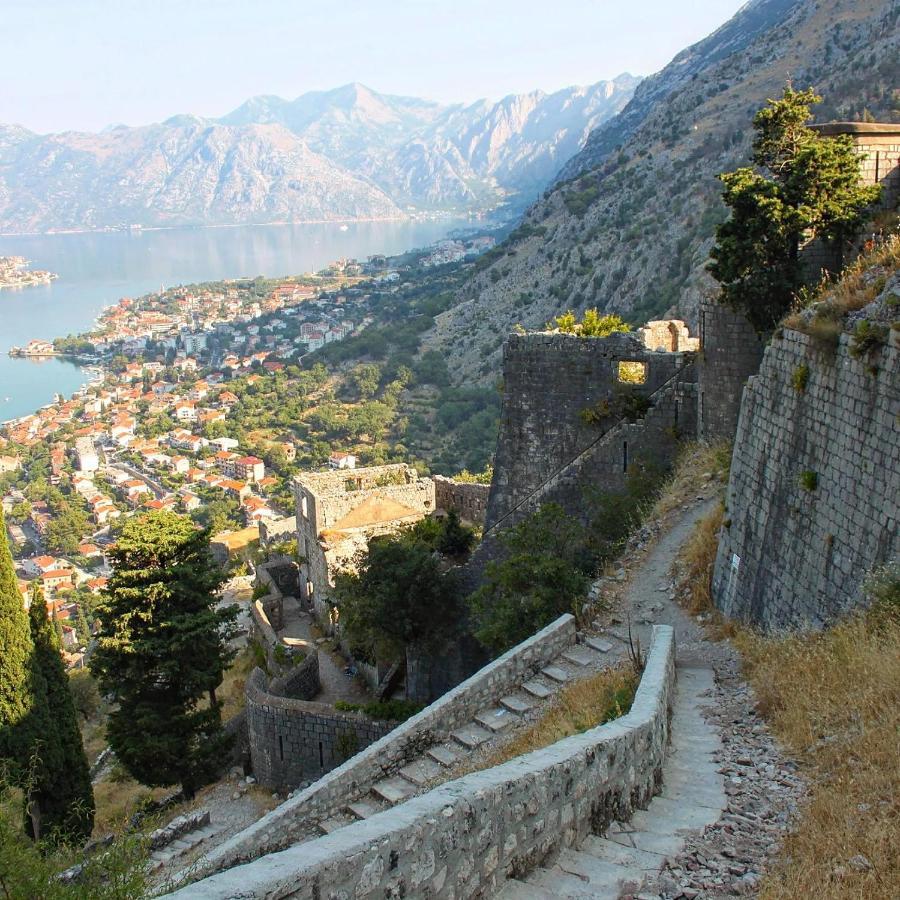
(95, 270)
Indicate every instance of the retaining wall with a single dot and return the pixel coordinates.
(469, 500)
(466, 837)
(796, 554)
(294, 739)
(350, 781)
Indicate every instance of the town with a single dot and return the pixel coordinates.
(149, 432)
(14, 273)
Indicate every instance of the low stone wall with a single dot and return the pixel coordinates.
(294, 739)
(467, 499)
(331, 793)
(466, 837)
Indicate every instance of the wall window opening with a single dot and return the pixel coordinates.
(630, 371)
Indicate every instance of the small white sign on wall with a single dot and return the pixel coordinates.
(735, 562)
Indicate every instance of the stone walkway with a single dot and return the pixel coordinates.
(335, 684)
(693, 796)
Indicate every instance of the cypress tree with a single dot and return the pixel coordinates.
(162, 651)
(16, 676)
(62, 790)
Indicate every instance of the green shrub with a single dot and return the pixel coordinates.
(388, 710)
(800, 377)
(809, 480)
(867, 337)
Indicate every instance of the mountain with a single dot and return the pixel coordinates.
(348, 153)
(628, 225)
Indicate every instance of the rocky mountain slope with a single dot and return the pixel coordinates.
(350, 153)
(629, 225)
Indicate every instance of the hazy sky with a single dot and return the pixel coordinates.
(89, 63)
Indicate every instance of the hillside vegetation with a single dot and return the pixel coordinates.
(631, 232)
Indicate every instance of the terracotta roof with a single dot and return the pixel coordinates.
(375, 510)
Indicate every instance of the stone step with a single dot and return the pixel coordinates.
(577, 874)
(368, 806)
(580, 656)
(667, 817)
(420, 771)
(555, 673)
(598, 644)
(446, 754)
(180, 844)
(516, 703)
(329, 826)
(496, 719)
(394, 790)
(470, 736)
(663, 844)
(519, 890)
(537, 689)
(630, 857)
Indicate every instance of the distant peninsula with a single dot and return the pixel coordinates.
(14, 272)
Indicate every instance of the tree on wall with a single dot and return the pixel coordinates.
(804, 186)
(162, 651)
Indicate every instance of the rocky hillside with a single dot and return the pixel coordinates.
(344, 154)
(629, 226)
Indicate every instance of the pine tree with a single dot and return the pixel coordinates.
(804, 186)
(162, 651)
(62, 788)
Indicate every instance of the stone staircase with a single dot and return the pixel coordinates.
(173, 851)
(692, 797)
(488, 728)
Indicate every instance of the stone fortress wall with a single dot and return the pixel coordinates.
(351, 780)
(551, 382)
(469, 500)
(465, 838)
(813, 500)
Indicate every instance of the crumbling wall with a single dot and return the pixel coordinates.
(813, 495)
(467, 499)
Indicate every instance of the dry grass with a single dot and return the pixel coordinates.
(855, 289)
(834, 700)
(231, 692)
(583, 705)
(697, 465)
(118, 800)
(695, 563)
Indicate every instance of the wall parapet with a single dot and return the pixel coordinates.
(348, 782)
(468, 836)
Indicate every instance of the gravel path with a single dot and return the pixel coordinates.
(762, 786)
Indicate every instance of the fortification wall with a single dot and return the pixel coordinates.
(293, 739)
(792, 556)
(464, 838)
(347, 783)
(467, 499)
(731, 353)
(550, 380)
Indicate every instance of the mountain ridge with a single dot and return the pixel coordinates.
(347, 153)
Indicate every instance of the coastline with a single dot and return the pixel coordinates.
(431, 216)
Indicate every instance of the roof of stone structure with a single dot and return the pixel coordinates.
(375, 510)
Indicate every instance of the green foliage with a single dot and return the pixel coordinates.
(579, 201)
(467, 477)
(805, 186)
(592, 324)
(867, 338)
(85, 694)
(61, 792)
(162, 649)
(626, 403)
(809, 480)
(390, 710)
(31, 871)
(544, 574)
(800, 377)
(21, 717)
(398, 597)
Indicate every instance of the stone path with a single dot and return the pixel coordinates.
(478, 738)
(335, 684)
(693, 796)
